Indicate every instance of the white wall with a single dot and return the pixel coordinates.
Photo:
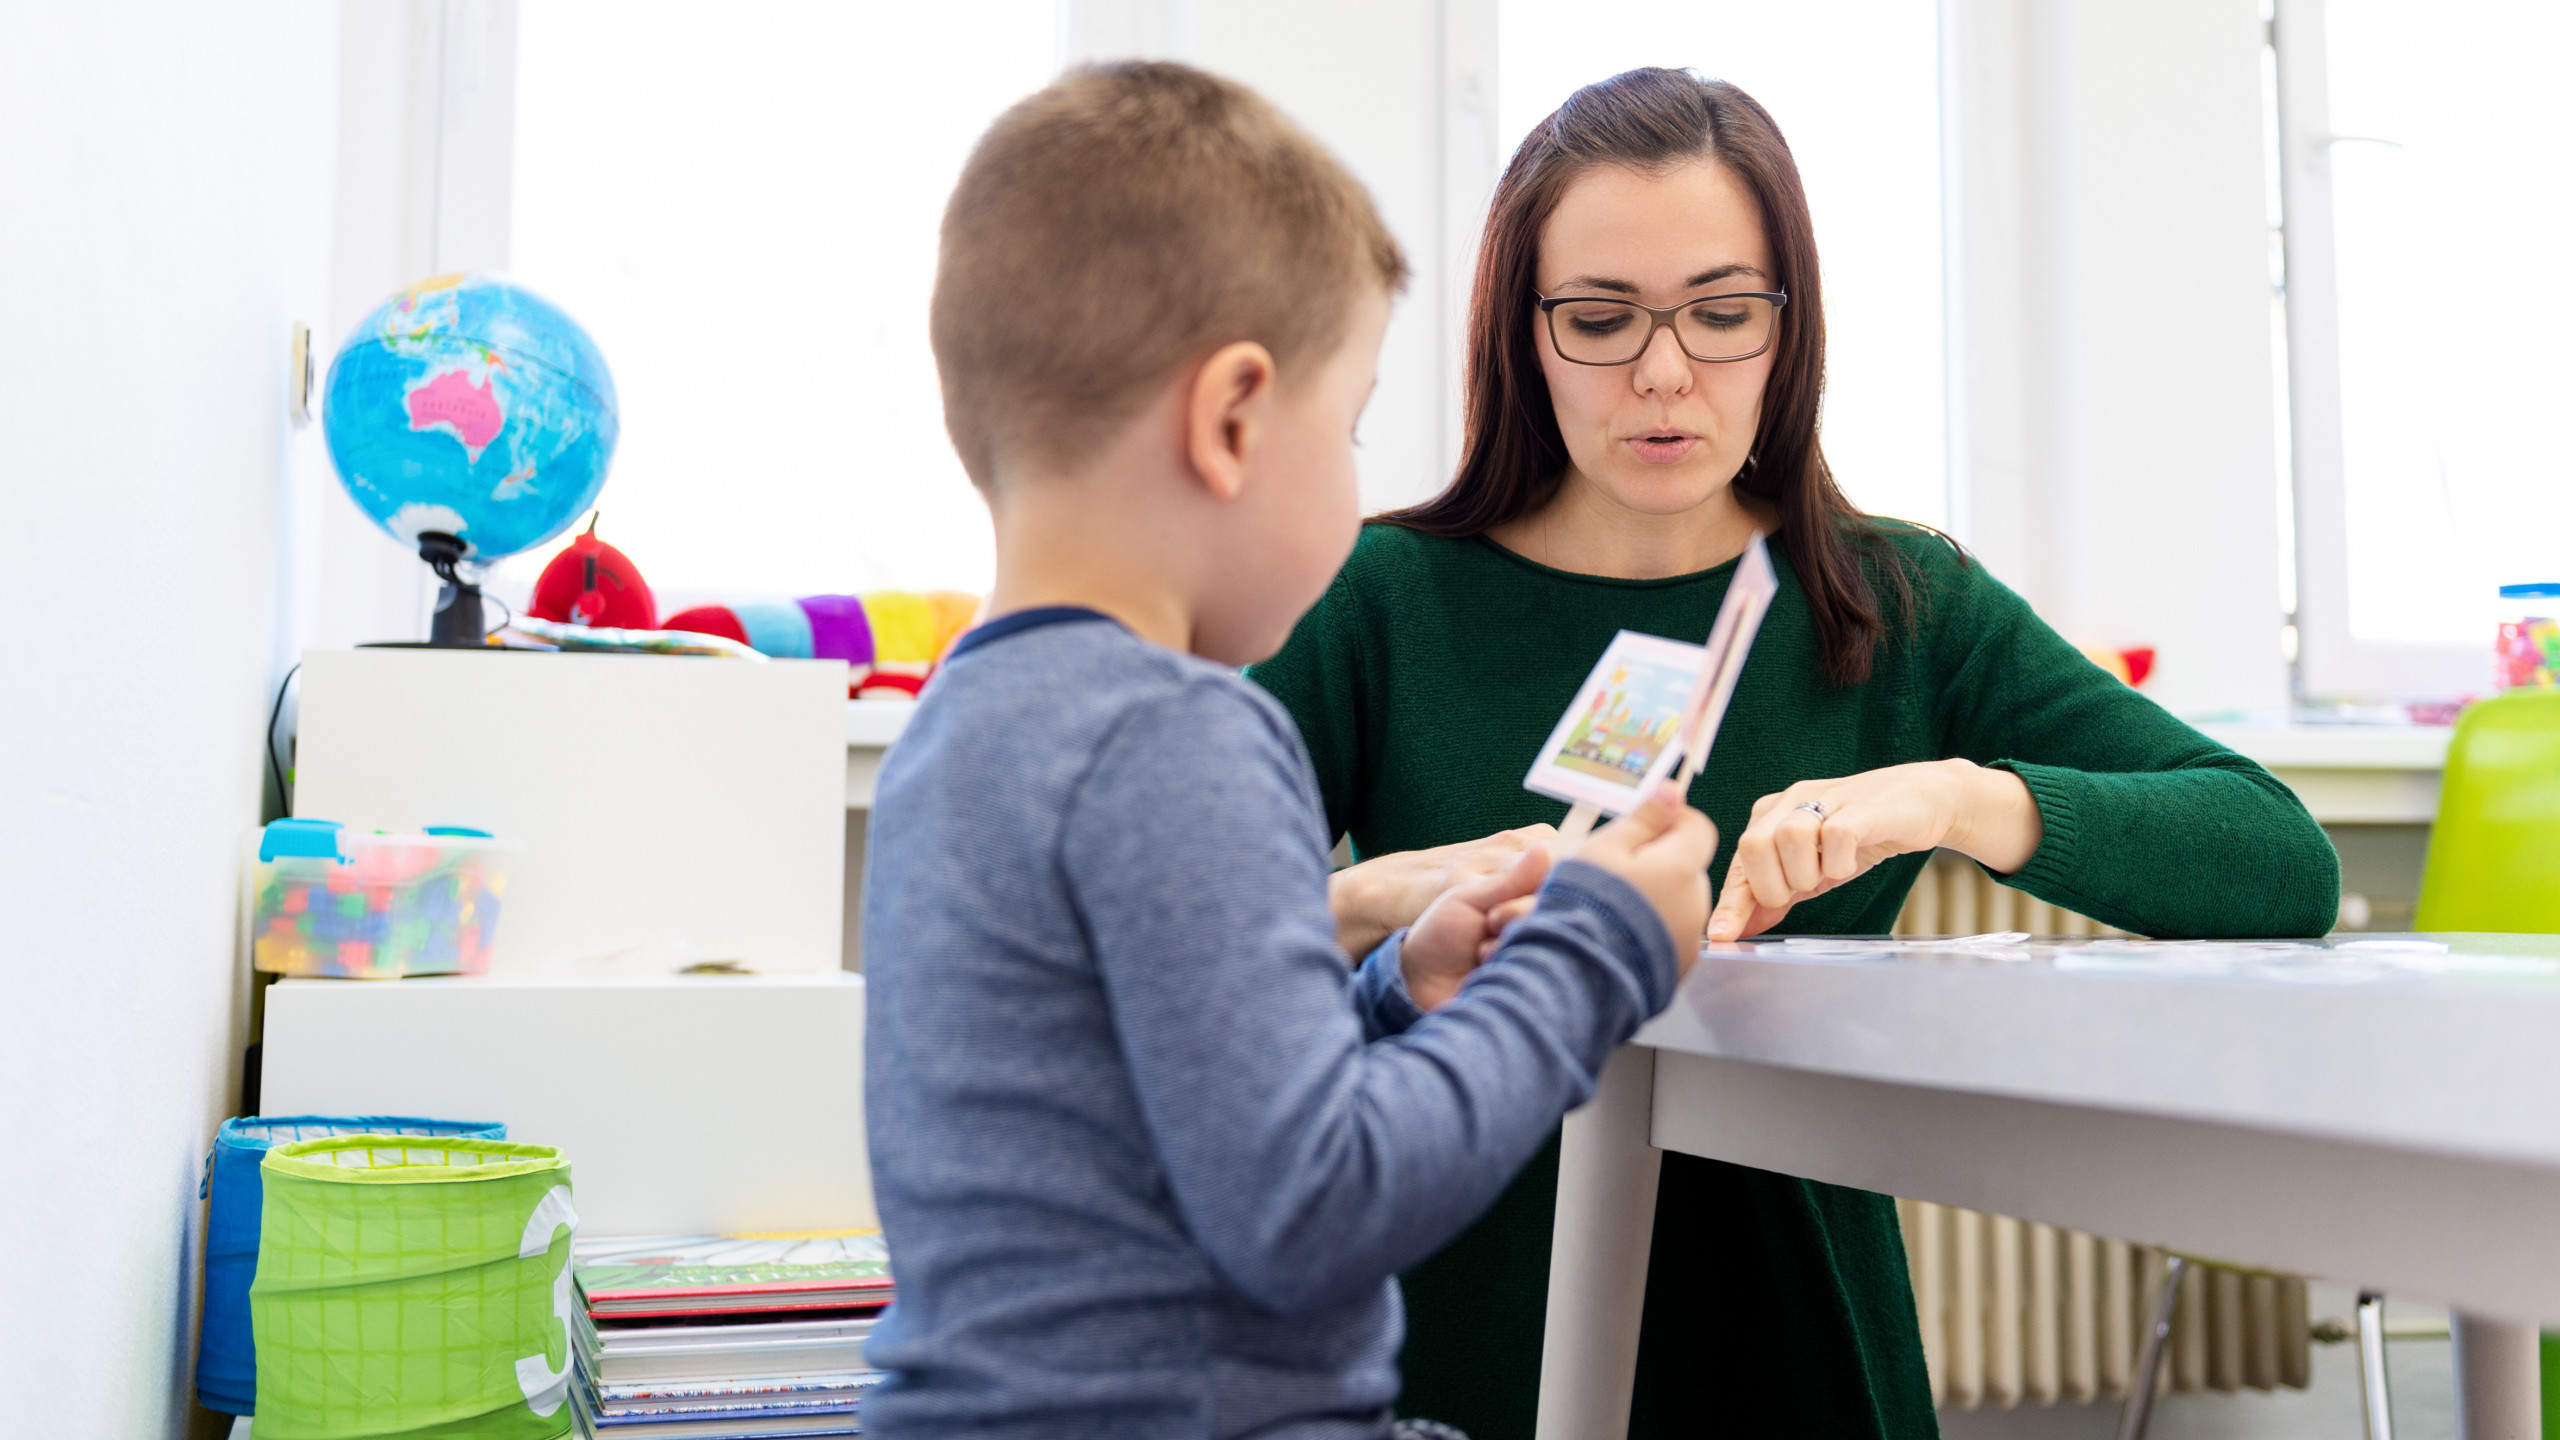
(2111, 364)
(165, 192)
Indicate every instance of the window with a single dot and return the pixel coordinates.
(2421, 311)
(741, 204)
(1854, 85)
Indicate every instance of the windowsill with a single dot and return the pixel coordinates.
(870, 728)
(875, 724)
(2281, 744)
(2346, 774)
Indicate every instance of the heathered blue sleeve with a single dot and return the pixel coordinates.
(1309, 1161)
(1378, 991)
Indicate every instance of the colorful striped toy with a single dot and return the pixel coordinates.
(891, 638)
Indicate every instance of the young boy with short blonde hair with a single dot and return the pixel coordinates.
(1148, 1148)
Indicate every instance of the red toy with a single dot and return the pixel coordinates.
(591, 583)
(2132, 665)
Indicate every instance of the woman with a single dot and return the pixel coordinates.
(1644, 381)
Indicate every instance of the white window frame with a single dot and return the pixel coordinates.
(425, 135)
(1458, 136)
(459, 72)
(428, 142)
(2331, 661)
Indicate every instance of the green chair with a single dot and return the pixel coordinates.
(2493, 862)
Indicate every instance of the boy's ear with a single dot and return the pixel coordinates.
(1230, 399)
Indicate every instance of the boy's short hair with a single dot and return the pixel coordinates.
(1120, 224)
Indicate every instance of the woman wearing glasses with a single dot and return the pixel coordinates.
(1644, 382)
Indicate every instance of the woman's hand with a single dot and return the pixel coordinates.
(1375, 898)
(1451, 939)
(1818, 835)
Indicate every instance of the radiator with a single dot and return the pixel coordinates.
(1954, 896)
(2015, 1312)
(2018, 1313)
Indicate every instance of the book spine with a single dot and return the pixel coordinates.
(831, 1388)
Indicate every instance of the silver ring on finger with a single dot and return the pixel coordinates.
(1816, 807)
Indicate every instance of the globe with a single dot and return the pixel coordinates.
(469, 406)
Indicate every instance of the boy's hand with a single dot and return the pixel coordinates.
(1455, 931)
(1662, 848)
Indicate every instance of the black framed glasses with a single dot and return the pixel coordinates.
(1588, 330)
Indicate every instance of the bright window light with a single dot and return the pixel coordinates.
(741, 204)
(1854, 85)
(2448, 314)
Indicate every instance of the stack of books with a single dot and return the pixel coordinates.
(707, 1337)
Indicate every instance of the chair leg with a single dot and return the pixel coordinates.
(2375, 1380)
(2155, 1345)
(2497, 1365)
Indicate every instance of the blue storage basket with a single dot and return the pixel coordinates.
(226, 1356)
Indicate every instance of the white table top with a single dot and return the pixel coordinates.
(2376, 1116)
(2352, 1044)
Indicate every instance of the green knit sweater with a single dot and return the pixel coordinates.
(1424, 683)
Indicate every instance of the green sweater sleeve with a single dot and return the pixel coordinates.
(2148, 825)
(1316, 678)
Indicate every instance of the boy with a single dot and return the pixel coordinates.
(1148, 1150)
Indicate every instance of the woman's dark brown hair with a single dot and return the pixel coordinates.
(1652, 120)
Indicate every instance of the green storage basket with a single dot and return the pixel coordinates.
(413, 1286)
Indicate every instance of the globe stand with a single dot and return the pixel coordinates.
(459, 623)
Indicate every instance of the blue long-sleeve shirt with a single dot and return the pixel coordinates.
(1147, 1149)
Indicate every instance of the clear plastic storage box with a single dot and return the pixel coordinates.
(2529, 636)
(375, 907)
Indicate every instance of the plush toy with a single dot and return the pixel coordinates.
(891, 638)
(593, 584)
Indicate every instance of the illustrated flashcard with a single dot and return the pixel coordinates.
(1651, 704)
(1623, 727)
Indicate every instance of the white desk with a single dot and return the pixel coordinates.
(2401, 1133)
